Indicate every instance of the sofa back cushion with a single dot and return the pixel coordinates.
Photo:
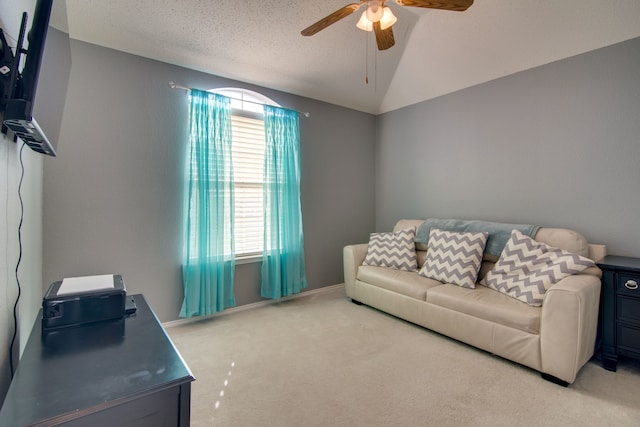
(563, 238)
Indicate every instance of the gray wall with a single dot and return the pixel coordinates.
(30, 267)
(30, 255)
(557, 145)
(113, 196)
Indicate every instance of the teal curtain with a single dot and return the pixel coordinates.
(209, 262)
(283, 268)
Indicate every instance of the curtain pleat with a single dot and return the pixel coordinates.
(283, 266)
(209, 260)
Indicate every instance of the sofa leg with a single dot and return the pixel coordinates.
(554, 380)
(355, 301)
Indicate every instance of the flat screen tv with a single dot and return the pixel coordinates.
(46, 69)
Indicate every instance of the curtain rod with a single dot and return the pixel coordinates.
(173, 85)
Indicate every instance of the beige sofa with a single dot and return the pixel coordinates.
(556, 339)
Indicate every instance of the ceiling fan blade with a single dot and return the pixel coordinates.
(331, 19)
(457, 5)
(384, 38)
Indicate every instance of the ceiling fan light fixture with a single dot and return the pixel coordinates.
(374, 10)
(388, 18)
(364, 23)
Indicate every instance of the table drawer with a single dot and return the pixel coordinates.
(628, 284)
(628, 309)
(628, 338)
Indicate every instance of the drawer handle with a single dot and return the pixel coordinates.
(631, 284)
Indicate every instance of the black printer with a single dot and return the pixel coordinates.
(79, 300)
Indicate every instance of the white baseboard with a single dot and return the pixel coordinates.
(252, 306)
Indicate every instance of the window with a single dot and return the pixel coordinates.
(248, 145)
(271, 140)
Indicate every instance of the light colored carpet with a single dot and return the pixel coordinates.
(320, 360)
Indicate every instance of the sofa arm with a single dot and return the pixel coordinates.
(569, 325)
(352, 258)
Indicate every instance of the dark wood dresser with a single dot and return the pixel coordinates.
(125, 372)
(619, 309)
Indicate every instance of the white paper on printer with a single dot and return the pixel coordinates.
(72, 285)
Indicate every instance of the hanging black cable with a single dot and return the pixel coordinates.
(15, 306)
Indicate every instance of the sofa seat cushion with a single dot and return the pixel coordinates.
(407, 283)
(487, 304)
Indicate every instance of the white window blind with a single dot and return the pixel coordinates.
(248, 162)
(248, 150)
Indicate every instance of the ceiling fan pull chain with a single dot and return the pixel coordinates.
(366, 58)
(375, 70)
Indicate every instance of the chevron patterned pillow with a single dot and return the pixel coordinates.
(454, 257)
(393, 250)
(527, 268)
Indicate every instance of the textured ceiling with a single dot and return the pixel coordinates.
(436, 52)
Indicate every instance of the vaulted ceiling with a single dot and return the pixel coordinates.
(436, 52)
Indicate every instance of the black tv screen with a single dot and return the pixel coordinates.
(37, 119)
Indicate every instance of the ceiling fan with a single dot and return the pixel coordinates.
(379, 18)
